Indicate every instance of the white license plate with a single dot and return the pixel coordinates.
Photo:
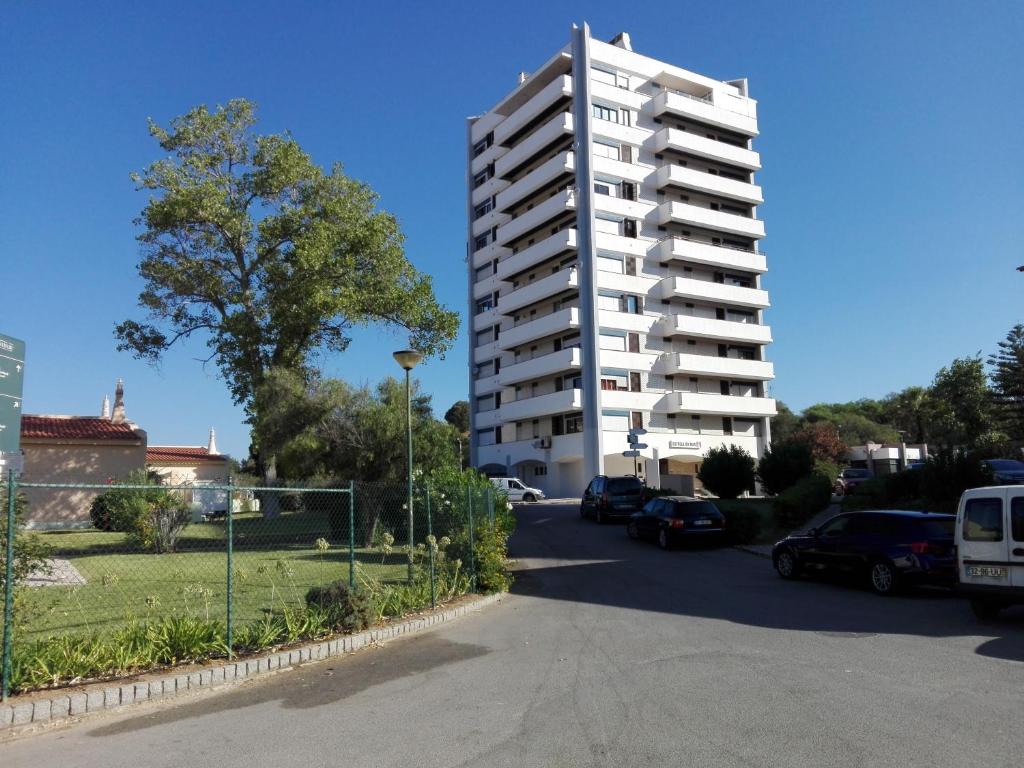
(702, 522)
(990, 571)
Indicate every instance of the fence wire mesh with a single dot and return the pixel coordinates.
(242, 564)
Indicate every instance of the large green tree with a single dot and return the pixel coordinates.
(963, 405)
(251, 247)
(1008, 382)
(912, 412)
(458, 416)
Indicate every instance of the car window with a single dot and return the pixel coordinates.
(624, 485)
(695, 508)
(1017, 518)
(836, 526)
(937, 528)
(1006, 465)
(650, 506)
(861, 524)
(516, 484)
(983, 520)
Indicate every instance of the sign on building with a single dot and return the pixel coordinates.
(689, 445)
(12, 376)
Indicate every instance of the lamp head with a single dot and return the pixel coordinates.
(407, 358)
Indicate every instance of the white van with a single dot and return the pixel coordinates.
(516, 490)
(990, 548)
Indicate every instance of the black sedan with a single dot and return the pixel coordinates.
(670, 520)
(888, 548)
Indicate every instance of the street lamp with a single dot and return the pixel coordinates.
(408, 358)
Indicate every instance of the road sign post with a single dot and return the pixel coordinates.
(12, 377)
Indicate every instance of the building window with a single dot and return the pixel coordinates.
(636, 420)
(632, 342)
(626, 153)
(483, 209)
(631, 266)
(540, 471)
(480, 242)
(602, 112)
(727, 425)
(628, 190)
(629, 228)
(484, 305)
(574, 423)
(634, 381)
(602, 189)
(604, 149)
(480, 178)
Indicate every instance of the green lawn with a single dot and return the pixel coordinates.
(275, 563)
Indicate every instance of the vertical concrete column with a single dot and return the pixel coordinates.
(470, 278)
(593, 451)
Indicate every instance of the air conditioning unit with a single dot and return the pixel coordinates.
(544, 442)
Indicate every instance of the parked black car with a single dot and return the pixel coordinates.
(670, 520)
(889, 548)
(608, 498)
(1006, 471)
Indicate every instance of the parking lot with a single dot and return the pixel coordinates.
(612, 652)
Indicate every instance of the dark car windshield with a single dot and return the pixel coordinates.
(624, 485)
(694, 509)
(940, 528)
(1006, 465)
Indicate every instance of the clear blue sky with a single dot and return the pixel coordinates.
(891, 142)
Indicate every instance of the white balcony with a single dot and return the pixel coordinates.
(696, 216)
(624, 400)
(542, 405)
(678, 362)
(702, 181)
(561, 242)
(486, 385)
(727, 405)
(541, 366)
(488, 253)
(706, 328)
(681, 249)
(706, 290)
(701, 146)
(561, 165)
(536, 217)
(558, 126)
(704, 110)
(538, 328)
(484, 419)
(531, 293)
(559, 88)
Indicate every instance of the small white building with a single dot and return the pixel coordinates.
(193, 465)
(886, 458)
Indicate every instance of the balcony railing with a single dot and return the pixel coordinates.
(708, 99)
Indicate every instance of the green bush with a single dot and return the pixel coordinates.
(742, 524)
(31, 554)
(802, 500)
(160, 526)
(727, 471)
(347, 610)
(153, 517)
(784, 464)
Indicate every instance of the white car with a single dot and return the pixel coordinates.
(515, 489)
(990, 548)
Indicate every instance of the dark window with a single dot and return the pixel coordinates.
(632, 342)
(624, 485)
(628, 191)
(634, 381)
(723, 387)
(836, 526)
(637, 419)
(727, 425)
(723, 350)
(629, 228)
(630, 266)
(1017, 518)
(626, 153)
(942, 528)
(690, 509)
(983, 520)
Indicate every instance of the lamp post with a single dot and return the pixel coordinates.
(408, 358)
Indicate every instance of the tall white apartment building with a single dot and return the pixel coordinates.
(614, 271)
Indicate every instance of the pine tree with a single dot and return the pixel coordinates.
(1008, 382)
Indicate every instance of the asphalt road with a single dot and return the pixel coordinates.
(614, 653)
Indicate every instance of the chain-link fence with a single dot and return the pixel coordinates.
(182, 573)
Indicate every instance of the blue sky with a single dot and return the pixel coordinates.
(890, 141)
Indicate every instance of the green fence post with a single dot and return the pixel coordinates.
(351, 534)
(12, 488)
(432, 545)
(472, 536)
(229, 535)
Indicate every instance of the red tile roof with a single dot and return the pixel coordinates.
(75, 428)
(156, 454)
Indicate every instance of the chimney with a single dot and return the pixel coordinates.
(105, 410)
(212, 447)
(523, 77)
(622, 41)
(118, 417)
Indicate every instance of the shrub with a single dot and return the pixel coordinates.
(160, 526)
(121, 509)
(802, 500)
(347, 610)
(30, 552)
(783, 464)
(742, 524)
(727, 471)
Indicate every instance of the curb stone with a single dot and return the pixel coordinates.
(14, 715)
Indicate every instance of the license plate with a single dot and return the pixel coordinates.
(702, 522)
(991, 571)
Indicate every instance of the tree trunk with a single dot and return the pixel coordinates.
(270, 501)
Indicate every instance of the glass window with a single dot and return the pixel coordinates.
(651, 506)
(1017, 518)
(624, 485)
(606, 113)
(836, 526)
(983, 520)
(694, 509)
(939, 528)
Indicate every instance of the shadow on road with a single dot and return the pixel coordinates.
(562, 557)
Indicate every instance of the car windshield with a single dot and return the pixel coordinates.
(1006, 465)
(624, 485)
(939, 528)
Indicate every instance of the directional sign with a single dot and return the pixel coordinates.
(639, 446)
(631, 454)
(12, 374)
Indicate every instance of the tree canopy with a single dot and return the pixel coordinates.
(251, 247)
(1008, 382)
(458, 416)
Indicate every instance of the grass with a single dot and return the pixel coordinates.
(275, 563)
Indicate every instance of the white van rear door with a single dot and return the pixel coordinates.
(1016, 535)
(984, 547)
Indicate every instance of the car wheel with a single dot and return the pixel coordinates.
(632, 530)
(787, 565)
(528, 497)
(663, 539)
(883, 578)
(985, 610)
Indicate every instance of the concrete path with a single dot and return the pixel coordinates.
(613, 653)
